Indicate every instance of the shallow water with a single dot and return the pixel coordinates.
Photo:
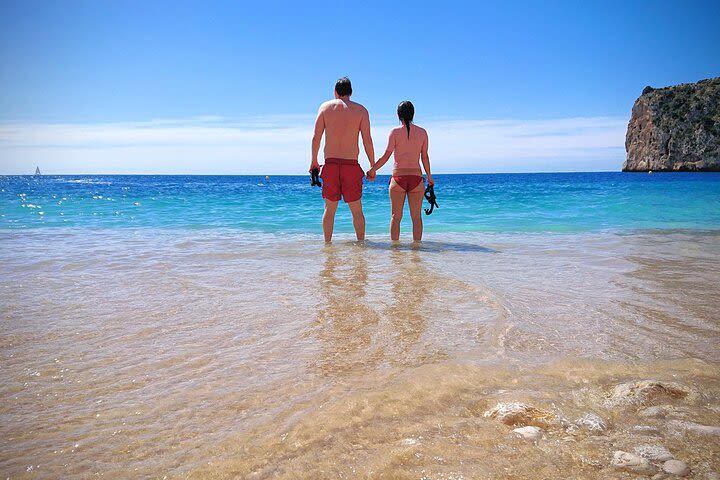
(147, 354)
(140, 351)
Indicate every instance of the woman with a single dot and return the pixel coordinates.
(410, 144)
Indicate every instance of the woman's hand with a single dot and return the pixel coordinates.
(430, 180)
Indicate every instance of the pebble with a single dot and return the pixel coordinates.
(529, 433)
(592, 422)
(408, 441)
(516, 413)
(695, 427)
(633, 463)
(654, 452)
(643, 391)
(572, 429)
(676, 467)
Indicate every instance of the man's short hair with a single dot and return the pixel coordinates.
(343, 87)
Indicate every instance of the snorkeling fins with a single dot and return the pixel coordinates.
(315, 177)
(430, 195)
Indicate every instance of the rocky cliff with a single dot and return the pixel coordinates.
(675, 129)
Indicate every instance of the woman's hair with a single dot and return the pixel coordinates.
(406, 112)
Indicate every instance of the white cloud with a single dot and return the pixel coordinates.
(281, 144)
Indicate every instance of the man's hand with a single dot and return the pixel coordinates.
(313, 165)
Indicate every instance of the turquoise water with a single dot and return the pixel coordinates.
(558, 202)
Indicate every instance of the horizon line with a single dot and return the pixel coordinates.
(297, 174)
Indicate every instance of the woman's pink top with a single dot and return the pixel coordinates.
(407, 150)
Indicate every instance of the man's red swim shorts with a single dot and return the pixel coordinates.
(342, 178)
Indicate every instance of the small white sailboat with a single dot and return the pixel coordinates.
(37, 171)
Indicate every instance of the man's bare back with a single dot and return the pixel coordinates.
(343, 120)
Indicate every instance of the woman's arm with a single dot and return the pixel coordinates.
(426, 161)
(385, 157)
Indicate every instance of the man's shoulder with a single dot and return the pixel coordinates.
(359, 107)
(329, 104)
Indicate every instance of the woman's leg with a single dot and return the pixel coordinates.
(415, 200)
(397, 203)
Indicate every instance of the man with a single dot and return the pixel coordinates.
(342, 120)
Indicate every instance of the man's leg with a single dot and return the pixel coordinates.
(328, 221)
(358, 218)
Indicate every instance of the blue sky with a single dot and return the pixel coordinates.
(232, 87)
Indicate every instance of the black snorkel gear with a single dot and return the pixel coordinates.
(430, 195)
(315, 177)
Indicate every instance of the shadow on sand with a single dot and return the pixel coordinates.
(426, 246)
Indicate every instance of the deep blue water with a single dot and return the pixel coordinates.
(554, 202)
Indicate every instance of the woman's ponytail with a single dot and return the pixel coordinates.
(406, 112)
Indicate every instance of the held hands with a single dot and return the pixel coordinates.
(371, 174)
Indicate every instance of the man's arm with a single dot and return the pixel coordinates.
(317, 137)
(366, 138)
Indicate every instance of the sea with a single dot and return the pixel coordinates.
(199, 327)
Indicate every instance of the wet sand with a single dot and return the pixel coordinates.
(151, 354)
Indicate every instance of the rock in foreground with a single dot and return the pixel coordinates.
(675, 129)
(520, 414)
(695, 428)
(592, 422)
(645, 391)
(654, 452)
(529, 433)
(676, 467)
(633, 463)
